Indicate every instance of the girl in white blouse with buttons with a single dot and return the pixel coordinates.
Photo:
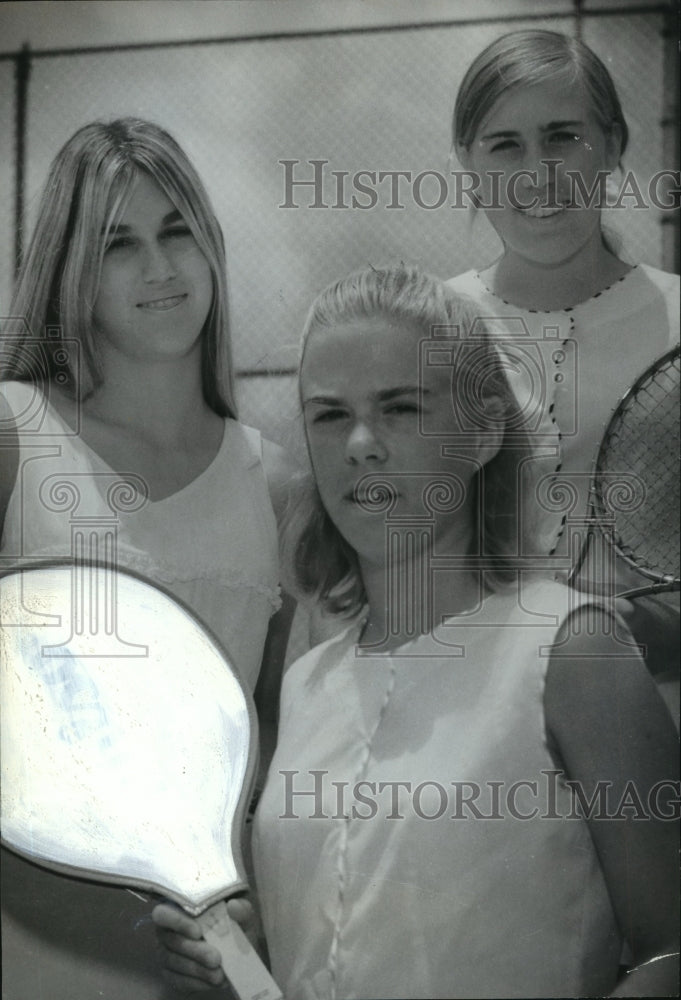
(539, 124)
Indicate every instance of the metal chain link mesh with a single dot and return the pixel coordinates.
(7, 183)
(379, 100)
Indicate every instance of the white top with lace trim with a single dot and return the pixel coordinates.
(213, 544)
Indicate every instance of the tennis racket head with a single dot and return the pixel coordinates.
(128, 742)
(635, 487)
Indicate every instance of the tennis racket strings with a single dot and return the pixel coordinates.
(635, 490)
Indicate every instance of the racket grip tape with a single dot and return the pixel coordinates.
(245, 970)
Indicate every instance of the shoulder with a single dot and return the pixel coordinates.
(542, 596)
(596, 681)
(280, 472)
(646, 288)
(7, 413)
(6, 409)
(8, 417)
(321, 658)
(503, 321)
(467, 283)
(32, 404)
(15, 395)
(19, 401)
(664, 280)
(279, 468)
(666, 287)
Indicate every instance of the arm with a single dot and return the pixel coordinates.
(280, 472)
(609, 723)
(653, 620)
(269, 682)
(9, 458)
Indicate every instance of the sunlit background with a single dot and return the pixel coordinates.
(362, 85)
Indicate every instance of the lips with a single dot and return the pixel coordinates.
(542, 212)
(359, 498)
(162, 305)
(378, 497)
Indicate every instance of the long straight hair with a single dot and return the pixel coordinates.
(87, 188)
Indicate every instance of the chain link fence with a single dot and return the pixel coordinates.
(374, 100)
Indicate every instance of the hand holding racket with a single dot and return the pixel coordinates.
(133, 768)
(635, 485)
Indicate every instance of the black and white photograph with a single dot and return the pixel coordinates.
(339, 499)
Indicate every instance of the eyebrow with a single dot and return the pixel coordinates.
(167, 220)
(384, 396)
(401, 390)
(550, 127)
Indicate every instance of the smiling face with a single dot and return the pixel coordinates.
(156, 287)
(540, 219)
(364, 404)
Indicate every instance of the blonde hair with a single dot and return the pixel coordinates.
(320, 562)
(86, 190)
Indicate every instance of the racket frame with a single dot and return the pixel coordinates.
(598, 515)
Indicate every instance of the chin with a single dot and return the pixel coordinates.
(369, 545)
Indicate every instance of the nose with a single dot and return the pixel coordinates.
(364, 446)
(536, 176)
(158, 265)
(545, 162)
(531, 161)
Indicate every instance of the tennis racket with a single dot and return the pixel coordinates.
(131, 766)
(635, 485)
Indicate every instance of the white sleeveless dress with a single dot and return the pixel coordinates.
(213, 545)
(382, 872)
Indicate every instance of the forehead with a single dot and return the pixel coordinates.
(365, 356)
(146, 198)
(538, 104)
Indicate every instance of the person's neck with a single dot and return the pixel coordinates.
(533, 285)
(163, 401)
(403, 602)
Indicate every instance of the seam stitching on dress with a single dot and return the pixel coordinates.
(342, 854)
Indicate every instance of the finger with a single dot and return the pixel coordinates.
(243, 913)
(174, 919)
(192, 971)
(198, 951)
(241, 910)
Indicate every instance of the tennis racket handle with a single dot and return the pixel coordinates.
(243, 967)
(665, 586)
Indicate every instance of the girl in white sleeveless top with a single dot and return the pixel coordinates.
(472, 790)
(539, 124)
(120, 443)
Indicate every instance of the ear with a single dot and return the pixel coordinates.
(613, 146)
